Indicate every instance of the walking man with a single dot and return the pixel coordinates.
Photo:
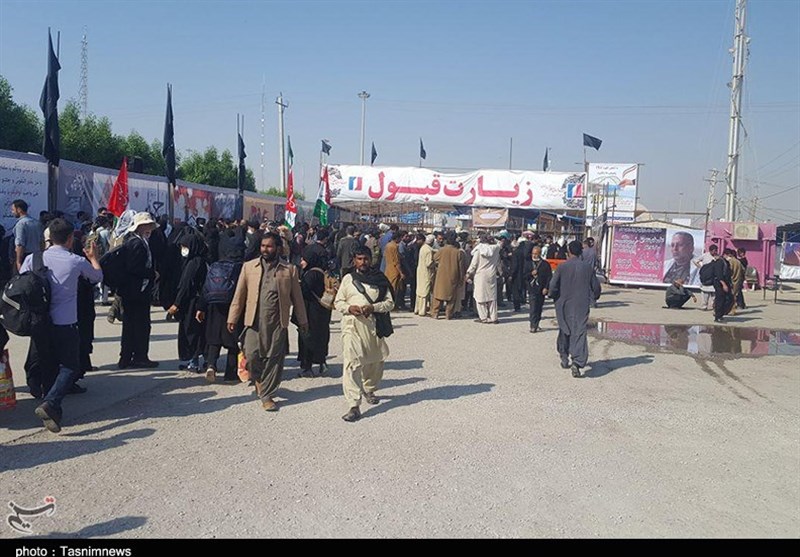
(61, 340)
(537, 274)
(266, 290)
(362, 294)
(573, 284)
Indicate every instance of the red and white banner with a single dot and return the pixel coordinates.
(555, 191)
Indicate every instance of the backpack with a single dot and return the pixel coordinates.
(221, 282)
(331, 289)
(707, 274)
(25, 305)
(113, 265)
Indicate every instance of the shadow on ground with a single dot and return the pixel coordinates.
(20, 456)
(604, 367)
(108, 528)
(448, 392)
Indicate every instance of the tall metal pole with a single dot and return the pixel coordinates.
(712, 185)
(510, 153)
(363, 95)
(740, 42)
(281, 107)
(263, 183)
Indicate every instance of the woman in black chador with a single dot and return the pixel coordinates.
(191, 338)
(313, 349)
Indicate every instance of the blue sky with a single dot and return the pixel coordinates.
(647, 77)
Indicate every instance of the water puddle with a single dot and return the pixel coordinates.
(704, 340)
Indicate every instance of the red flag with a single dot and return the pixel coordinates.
(327, 183)
(118, 201)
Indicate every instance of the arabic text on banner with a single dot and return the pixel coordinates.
(637, 254)
(606, 179)
(556, 191)
(21, 178)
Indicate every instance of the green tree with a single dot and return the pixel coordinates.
(213, 169)
(90, 140)
(152, 160)
(277, 192)
(20, 126)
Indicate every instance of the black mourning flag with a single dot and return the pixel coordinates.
(374, 154)
(546, 164)
(592, 142)
(422, 153)
(326, 147)
(168, 149)
(48, 102)
(242, 170)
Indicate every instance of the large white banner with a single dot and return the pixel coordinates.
(555, 191)
(22, 177)
(612, 190)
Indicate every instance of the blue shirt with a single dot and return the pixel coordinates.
(28, 234)
(65, 269)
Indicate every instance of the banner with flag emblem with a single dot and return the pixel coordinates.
(323, 198)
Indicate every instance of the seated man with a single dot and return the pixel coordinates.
(677, 295)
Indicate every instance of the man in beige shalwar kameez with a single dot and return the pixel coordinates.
(425, 269)
(363, 352)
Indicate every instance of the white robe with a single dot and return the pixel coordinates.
(483, 268)
(424, 271)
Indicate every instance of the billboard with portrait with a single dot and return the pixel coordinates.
(656, 256)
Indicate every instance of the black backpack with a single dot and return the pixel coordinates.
(707, 274)
(113, 265)
(221, 282)
(25, 305)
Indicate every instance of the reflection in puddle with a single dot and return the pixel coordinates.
(702, 339)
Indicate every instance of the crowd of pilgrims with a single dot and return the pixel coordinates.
(192, 271)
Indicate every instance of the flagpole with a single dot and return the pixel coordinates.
(510, 152)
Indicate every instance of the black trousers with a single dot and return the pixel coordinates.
(520, 290)
(135, 329)
(231, 363)
(57, 345)
(40, 366)
(537, 303)
(722, 301)
(740, 298)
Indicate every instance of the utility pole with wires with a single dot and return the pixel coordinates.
(739, 51)
(712, 185)
(263, 182)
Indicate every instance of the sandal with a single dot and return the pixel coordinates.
(371, 398)
(353, 415)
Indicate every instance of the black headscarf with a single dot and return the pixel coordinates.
(231, 245)
(197, 247)
(314, 258)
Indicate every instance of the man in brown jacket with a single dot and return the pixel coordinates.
(266, 290)
(394, 269)
(449, 276)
